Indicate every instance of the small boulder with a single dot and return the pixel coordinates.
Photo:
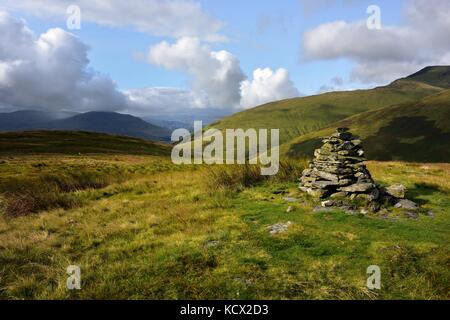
(327, 203)
(279, 228)
(407, 204)
(213, 243)
(397, 191)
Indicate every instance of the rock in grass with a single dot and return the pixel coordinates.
(328, 203)
(407, 204)
(290, 209)
(213, 243)
(430, 214)
(279, 228)
(396, 191)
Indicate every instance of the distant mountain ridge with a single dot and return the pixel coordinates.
(102, 122)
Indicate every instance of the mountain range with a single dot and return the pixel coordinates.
(103, 122)
(407, 120)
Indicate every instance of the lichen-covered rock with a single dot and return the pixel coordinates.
(396, 191)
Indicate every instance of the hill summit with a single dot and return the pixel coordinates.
(438, 76)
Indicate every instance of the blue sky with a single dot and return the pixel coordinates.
(226, 55)
(261, 34)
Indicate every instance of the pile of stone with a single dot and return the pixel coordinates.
(338, 170)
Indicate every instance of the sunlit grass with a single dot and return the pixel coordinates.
(163, 234)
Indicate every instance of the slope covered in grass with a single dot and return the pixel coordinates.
(298, 116)
(417, 132)
(167, 236)
(75, 142)
(438, 76)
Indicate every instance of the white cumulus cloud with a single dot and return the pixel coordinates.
(50, 71)
(392, 52)
(174, 18)
(218, 75)
(267, 85)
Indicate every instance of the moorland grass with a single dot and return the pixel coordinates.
(31, 184)
(165, 235)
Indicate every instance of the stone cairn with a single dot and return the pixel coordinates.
(338, 170)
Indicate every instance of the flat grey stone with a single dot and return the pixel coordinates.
(358, 187)
(213, 243)
(407, 204)
(279, 228)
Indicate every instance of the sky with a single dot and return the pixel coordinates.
(166, 58)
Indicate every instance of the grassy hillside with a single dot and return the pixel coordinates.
(165, 235)
(67, 142)
(295, 117)
(410, 132)
(438, 76)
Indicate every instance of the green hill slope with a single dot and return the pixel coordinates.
(410, 132)
(71, 142)
(295, 117)
(438, 76)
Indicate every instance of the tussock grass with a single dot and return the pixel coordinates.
(29, 185)
(25, 195)
(238, 177)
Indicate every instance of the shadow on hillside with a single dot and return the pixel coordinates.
(304, 149)
(412, 139)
